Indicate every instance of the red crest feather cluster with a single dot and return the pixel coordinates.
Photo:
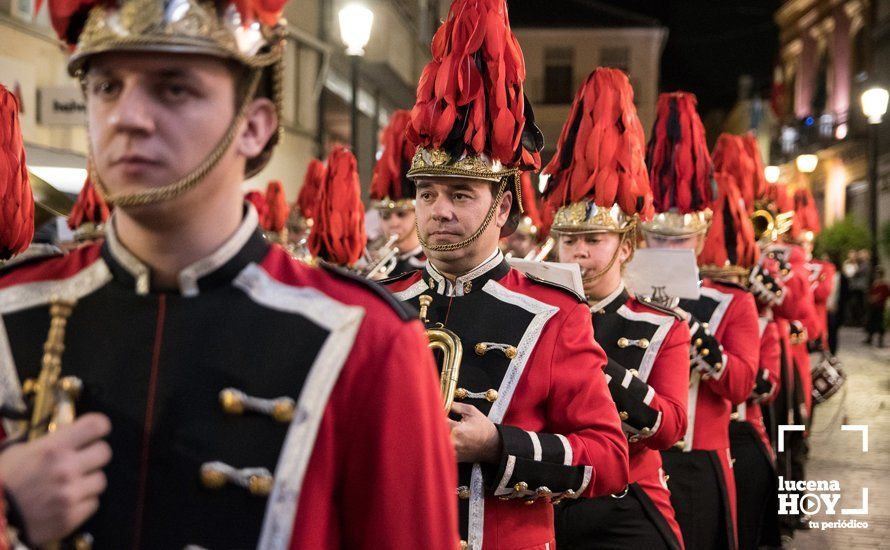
(779, 196)
(730, 239)
(470, 96)
(258, 200)
(390, 180)
(806, 215)
(275, 215)
(680, 168)
(338, 235)
(759, 181)
(601, 151)
(307, 198)
(89, 207)
(529, 199)
(731, 156)
(16, 200)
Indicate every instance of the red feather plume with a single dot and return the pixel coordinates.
(731, 156)
(277, 209)
(680, 168)
(760, 183)
(307, 198)
(89, 207)
(338, 235)
(389, 179)
(806, 215)
(68, 18)
(16, 200)
(730, 239)
(470, 96)
(600, 155)
(780, 197)
(258, 200)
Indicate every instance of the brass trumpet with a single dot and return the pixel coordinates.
(449, 344)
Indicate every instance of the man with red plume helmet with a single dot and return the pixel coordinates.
(392, 195)
(532, 420)
(249, 400)
(731, 254)
(598, 184)
(723, 323)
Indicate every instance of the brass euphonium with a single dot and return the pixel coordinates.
(386, 260)
(53, 395)
(449, 344)
(764, 224)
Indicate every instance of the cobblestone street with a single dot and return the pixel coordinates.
(837, 455)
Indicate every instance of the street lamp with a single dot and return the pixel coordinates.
(874, 106)
(772, 173)
(355, 31)
(806, 163)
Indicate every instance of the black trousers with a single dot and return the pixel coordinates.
(756, 484)
(609, 522)
(700, 499)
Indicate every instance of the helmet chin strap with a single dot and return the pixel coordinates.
(190, 180)
(472, 238)
(599, 274)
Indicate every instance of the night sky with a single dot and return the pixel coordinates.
(711, 42)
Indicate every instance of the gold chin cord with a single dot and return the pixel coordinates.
(629, 233)
(514, 177)
(189, 181)
(448, 343)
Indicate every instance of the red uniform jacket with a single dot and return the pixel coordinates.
(822, 283)
(532, 343)
(731, 314)
(362, 463)
(770, 368)
(622, 323)
(799, 305)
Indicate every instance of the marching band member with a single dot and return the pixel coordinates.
(252, 401)
(392, 194)
(533, 421)
(600, 187)
(723, 325)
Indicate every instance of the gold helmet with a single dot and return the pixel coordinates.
(248, 33)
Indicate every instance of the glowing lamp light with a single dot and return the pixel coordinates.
(355, 27)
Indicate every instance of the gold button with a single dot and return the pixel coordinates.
(634, 372)
(83, 541)
(623, 342)
(283, 411)
(481, 348)
(463, 492)
(461, 393)
(645, 431)
(718, 367)
(623, 415)
(464, 545)
(778, 293)
(468, 286)
(212, 478)
(569, 494)
(666, 478)
(521, 486)
(644, 343)
(705, 352)
(231, 402)
(634, 438)
(491, 395)
(734, 416)
(698, 342)
(260, 485)
(510, 352)
(543, 492)
(705, 326)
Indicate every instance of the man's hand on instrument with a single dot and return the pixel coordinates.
(475, 437)
(55, 481)
(705, 352)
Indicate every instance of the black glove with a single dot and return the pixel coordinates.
(705, 353)
(763, 388)
(798, 333)
(765, 288)
(632, 397)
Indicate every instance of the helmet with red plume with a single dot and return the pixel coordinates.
(391, 188)
(338, 235)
